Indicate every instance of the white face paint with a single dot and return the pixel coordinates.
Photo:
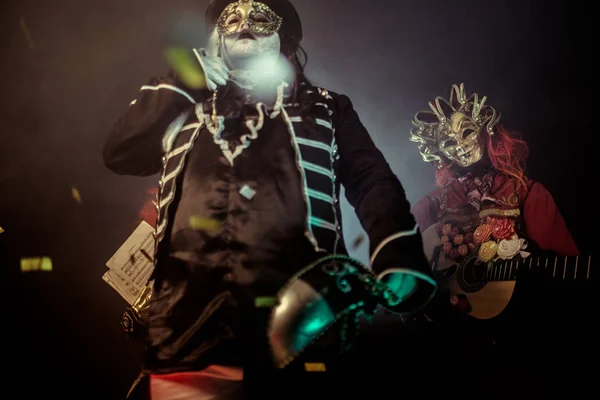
(240, 50)
(251, 59)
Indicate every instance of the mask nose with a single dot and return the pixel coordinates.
(244, 26)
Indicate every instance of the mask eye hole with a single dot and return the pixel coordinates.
(448, 144)
(232, 19)
(260, 17)
(468, 132)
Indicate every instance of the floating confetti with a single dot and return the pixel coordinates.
(36, 264)
(314, 367)
(358, 241)
(76, 195)
(1, 229)
(260, 302)
(247, 192)
(204, 224)
(186, 66)
(27, 34)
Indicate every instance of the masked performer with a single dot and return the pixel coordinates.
(260, 154)
(485, 204)
(484, 209)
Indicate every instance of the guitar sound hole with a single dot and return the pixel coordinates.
(471, 275)
(474, 273)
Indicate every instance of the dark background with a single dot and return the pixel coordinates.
(59, 99)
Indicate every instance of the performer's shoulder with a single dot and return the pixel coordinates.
(322, 91)
(537, 188)
(339, 103)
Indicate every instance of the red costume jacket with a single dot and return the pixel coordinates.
(468, 200)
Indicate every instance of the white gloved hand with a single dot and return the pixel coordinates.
(216, 72)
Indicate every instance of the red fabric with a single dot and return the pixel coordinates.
(148, 211)
(454, 199)
(213, 382)
(543, 221)
(545, 224)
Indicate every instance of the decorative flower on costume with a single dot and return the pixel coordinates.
(501, 228)
(458, 239)
(495, 238)
(468, 238)
(455, 231)
(487, 251)
(508, 248)
(446, 229)
(482, 234)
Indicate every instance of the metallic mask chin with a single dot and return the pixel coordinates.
(465, 157)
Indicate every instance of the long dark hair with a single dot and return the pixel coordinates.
(298, 58)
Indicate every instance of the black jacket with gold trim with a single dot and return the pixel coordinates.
(335, 151)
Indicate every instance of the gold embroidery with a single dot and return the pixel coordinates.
(513, 199)
(514, 212)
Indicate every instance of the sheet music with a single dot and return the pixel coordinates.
(131, 266)
(121, 286)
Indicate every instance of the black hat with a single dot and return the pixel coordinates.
(291, 28)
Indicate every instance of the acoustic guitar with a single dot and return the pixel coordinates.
(488, 287)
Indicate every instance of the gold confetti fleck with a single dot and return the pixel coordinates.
(27, 34)
(187, 67)
(36, 264)
(260, 302)
(204, 224)
(76, 195)
(1, 229)
(314, 367)
(358, 241)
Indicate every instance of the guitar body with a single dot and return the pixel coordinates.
(486, 299)
(488, 302)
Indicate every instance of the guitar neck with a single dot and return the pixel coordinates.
(557, 267)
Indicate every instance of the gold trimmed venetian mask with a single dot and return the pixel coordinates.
(455, 129)
(258, 17)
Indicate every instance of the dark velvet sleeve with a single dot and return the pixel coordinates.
(379, 200)
(134, 144)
